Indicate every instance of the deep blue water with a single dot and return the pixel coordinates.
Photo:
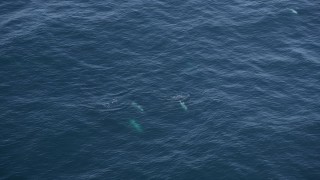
(248, 73)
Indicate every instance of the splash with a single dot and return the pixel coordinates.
(111, 103)
(180, 97)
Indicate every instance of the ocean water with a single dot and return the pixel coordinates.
(159, 89)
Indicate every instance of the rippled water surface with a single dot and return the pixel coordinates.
(183, 89)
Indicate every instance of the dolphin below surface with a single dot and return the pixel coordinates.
(136, 126)
(183, 105)
(293, 11)
(137, 106)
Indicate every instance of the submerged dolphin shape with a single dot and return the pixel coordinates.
(293, 11)
(184, 107)
(137, 106)
(137, 127)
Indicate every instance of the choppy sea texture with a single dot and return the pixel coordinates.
(247, 71)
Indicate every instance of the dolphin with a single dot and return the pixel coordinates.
(293, 11)
(137, 106)
(137, 127)
(184, 107)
